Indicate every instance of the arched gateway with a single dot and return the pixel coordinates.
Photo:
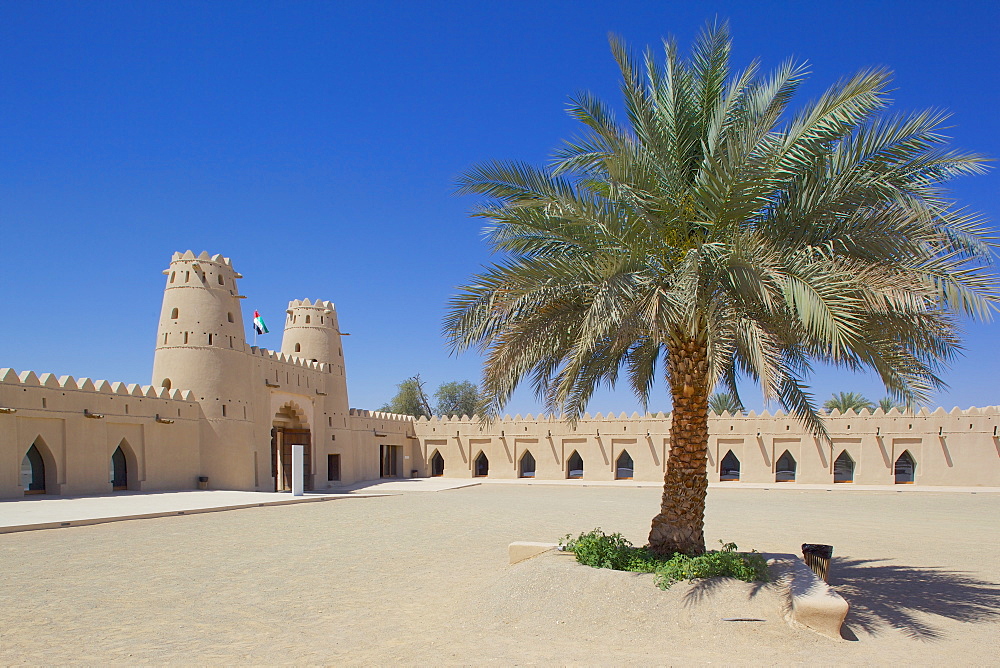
(289, 428)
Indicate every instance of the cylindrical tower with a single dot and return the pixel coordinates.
(312, 332)
(200, 343)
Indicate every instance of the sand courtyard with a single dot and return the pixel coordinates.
(423, 578)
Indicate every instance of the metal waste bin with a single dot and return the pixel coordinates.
(817, 557)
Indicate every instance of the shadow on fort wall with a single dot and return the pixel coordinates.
(884, 595)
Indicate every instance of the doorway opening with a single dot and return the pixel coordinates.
(289, 428)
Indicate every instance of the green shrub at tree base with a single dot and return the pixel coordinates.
(614, 551)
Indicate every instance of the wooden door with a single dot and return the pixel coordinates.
(297, 437)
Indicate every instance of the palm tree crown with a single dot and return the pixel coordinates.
(724, 401)
(848, 401)
(718, 234)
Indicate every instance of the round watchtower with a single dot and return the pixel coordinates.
(200, 342)
(312, 332)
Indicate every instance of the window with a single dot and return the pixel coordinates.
(574, 466)
(785, 468)
(221, 282)
(526, 467)
(174, 313)
(333, 467)
(173, 275)
(165, 384)
(729, 471)
(298, 347)
(308, 319)
(905, 469)
(482, 465)
(230, 316)
(843, 468)
(624, 467)
(437, 465)
(209, 339)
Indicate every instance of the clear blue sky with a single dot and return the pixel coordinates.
(317, 145)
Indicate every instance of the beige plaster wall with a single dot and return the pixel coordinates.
(77, 449)
(958, 448)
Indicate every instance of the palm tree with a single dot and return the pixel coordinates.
(724, 401)
(847, 401)
(716, 234)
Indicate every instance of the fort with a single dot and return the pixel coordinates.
(225, 414)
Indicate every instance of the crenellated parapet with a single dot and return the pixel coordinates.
(204, 256)
(28, 379)
(64, 397)
(290, 360)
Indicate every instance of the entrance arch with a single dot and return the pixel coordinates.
(574, 466)
(526, 467)
(437, 464)
(33, 470)
(624, 467)
(729, 471)
(784, 471)
(290, 427)
(843, 468)
(905, 469)
(482, 465)
(123, 468)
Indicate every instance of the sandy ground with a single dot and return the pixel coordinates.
(422, 578)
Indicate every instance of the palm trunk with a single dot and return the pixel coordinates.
(679, 527)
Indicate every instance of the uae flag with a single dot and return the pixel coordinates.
(258, 324)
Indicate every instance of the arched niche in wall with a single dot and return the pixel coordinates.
(482, 465)
(526, 466)
(784, 469)
(574, 466)
(437, 464)
(905, 469)
(843, 468)
(729, 468)
(624, 467)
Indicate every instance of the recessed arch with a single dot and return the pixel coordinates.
(482, 465)
(123, 468)
(308, 319)
(905, 469)
(38, 469)
(843, 468)
(624, 466)
(574, 466)
(290, 426)
(437, 464)
(221, 280)
(298, 347)
(785, 467)
(230, 317)
(729, 468)
(166, 384)
(526, 466)
(174, 313)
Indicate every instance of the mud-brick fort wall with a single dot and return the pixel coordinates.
(928, 448)
(76, 425)
(224, 410)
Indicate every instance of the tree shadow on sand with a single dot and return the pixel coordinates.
(883, 594)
